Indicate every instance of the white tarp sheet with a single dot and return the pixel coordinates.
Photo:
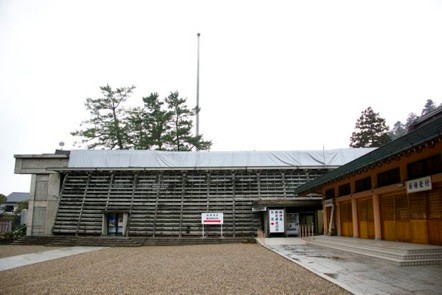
(203, 159)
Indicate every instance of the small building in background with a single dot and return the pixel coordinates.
(13, 200)
(13, 211)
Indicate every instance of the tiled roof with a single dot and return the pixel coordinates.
(17, 197)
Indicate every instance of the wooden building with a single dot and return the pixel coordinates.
(393, 193)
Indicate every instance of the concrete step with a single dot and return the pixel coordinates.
(403, 254)
(80, 241)
(126, 241)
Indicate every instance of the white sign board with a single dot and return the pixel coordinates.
(212, 218)
(276, 220)
(329, 203)
(418, 185)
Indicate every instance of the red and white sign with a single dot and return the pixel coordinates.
(212, 218)
(277, 221)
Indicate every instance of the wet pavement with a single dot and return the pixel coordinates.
(363, 275)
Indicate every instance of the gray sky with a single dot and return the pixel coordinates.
(274, 75)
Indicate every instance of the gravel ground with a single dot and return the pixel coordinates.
(202, 269)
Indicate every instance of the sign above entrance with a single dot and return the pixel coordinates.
(259, 209)
(212, 218)
(419, 184)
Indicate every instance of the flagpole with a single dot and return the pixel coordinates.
(198, 89)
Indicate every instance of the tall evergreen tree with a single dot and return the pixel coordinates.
(412, 117)
(149, 125)
(160, 125)
(370, 130)
(398, 130)
(179, 137)
(107, 126)
(429, 107)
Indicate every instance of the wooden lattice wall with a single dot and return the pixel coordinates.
(170, 203)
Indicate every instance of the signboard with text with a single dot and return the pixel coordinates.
(276, 220)
(419, 184)
(212, 218)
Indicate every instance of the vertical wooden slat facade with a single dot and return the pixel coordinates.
(170, 203)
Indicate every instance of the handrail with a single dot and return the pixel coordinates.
(18, 231)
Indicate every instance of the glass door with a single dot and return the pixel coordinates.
(115, 224)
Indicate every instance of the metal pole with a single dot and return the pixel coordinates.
(198, 89)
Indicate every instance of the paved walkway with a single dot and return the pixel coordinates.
(31, 258)
(359, 274)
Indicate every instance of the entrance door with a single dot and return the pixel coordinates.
(115, 224)
(366, 219)
(346, 219)
(396, 224)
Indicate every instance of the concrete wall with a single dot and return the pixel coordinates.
(44, 192)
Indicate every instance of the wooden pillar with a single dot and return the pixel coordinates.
(354, 216)
(325, 219)
(338, 219)
(377, 217)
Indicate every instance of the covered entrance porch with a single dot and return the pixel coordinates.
(289, 217)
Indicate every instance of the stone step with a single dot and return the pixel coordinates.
(403, 254)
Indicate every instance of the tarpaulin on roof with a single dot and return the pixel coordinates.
(204, 159)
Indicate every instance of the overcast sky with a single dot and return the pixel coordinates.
(274, 75)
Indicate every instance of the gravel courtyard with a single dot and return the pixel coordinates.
(202, 269)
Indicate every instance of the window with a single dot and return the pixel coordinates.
(330, 193)
(363, 184)
(9, 208)
(389, 177)
(425, 167)
(344, 189)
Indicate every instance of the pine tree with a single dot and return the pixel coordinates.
(149, 125)
(179, 137)
(107, 126)
(370, 130)
(412, 117)
(160, 125)
(398, 130)
(429, 107)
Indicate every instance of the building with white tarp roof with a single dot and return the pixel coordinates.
(165, 194)
(127, 159)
